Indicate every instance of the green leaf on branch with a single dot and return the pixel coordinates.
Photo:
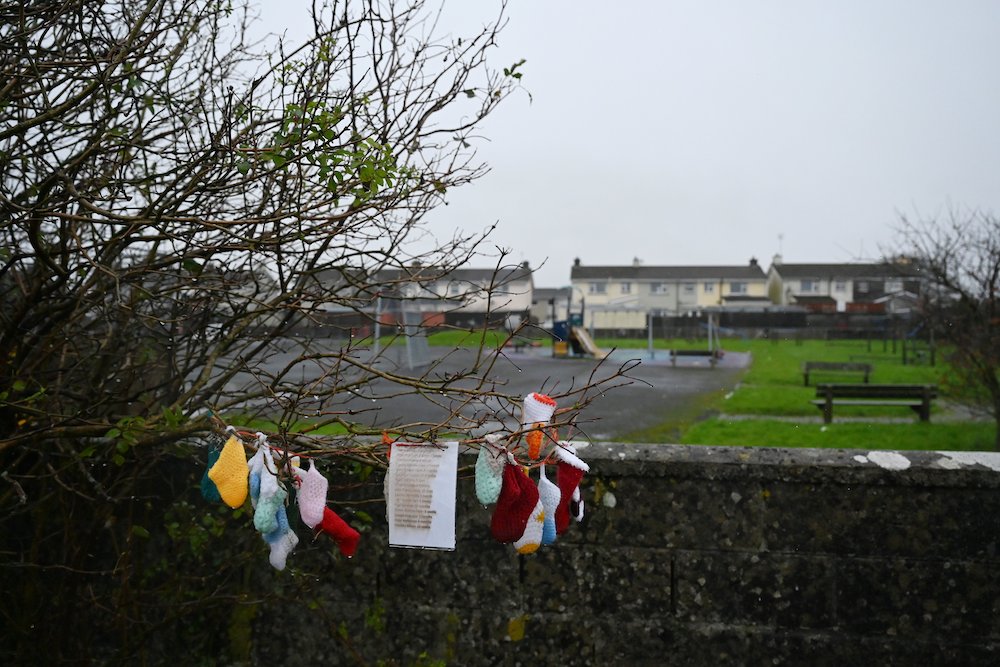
(172, 418)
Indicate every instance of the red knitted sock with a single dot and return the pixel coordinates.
(569, 471)
(518, 497)
(346, 537)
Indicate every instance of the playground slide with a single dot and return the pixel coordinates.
(587, 343)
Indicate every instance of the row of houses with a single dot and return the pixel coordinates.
(623, 297)
(620, 297)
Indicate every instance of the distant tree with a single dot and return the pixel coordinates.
(959, 257)
(177, 204)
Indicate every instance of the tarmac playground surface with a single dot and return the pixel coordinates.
(652, 392)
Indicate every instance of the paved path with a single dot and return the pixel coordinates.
(650, 392)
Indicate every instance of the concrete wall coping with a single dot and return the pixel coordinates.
(932, 468)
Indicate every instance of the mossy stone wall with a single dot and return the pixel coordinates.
(690, 556)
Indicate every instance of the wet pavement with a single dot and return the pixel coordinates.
(628, 393)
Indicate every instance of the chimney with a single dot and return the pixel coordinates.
(576, 262)
(524, 265)
(777, 260)
(753, 261)
(636, 261)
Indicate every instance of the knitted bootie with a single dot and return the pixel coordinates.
(531, 539)
(549, 494)
(346, 537)
(514, 506)
(265, 515)
(569, 471)
(311, 495)
(281, 548)
(209, 491)
(536, 412)
(489, 470)
(230, 473)
(255, 465)
(272, 495)
(282, 540)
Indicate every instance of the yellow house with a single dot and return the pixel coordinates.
(620, 297)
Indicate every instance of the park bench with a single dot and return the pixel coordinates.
(519, 344)
(713, 355)
(914, 396)
(835, 366)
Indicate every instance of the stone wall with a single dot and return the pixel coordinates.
(693, 556)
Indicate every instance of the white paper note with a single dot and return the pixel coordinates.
(420, 495)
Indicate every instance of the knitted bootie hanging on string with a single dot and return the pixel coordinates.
(230, 473)
(514, 506)
(346, 537)
(531, 538)
(272, 495)
(569, 471)
(549, 494)
(255, 465)
(209, 491)
(536, 412)
(311, 496)
(489, 469)
(282, 540)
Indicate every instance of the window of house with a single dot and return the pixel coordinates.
(893, 286)
(862, 287)
(597, 288)
(738, 288)
(688, 288)
(709, 288)
(626, 288)
(806, 286)
(840, 286)
(659, 288)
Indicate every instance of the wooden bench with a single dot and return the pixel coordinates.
(519, 344)
(914, 396)
(840, 367)
(713, 355)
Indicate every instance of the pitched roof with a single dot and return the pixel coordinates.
(853, 271)
(378, 280)
(499, 276)
(653, 273)
(546, 293)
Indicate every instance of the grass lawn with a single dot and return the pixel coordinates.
(463, 338)
(300, 426)
(973, 436)
(773, 387)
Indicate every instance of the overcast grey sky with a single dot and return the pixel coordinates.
(710, 131)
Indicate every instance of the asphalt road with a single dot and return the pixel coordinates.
(649, 393)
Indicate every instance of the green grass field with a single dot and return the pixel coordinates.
(773, 395)
(772, 388)
(972, 436)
